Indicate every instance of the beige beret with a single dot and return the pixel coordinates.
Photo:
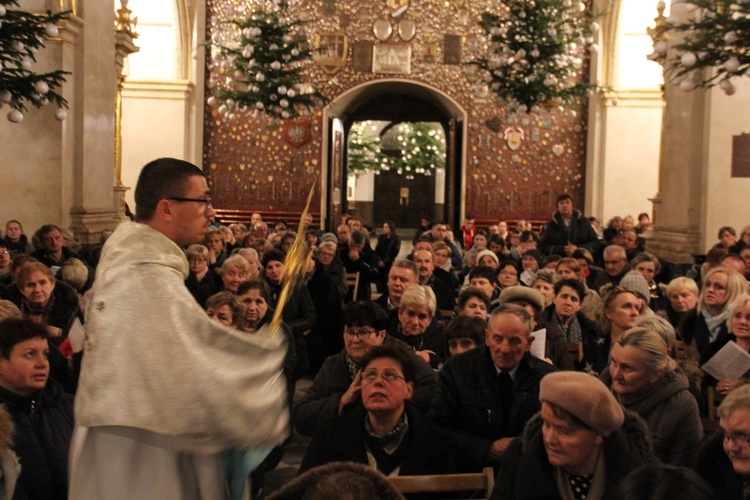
(585, 397)
(519, 292)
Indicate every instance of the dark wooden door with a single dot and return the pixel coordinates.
(401, 200)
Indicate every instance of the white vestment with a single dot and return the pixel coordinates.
(162, 386)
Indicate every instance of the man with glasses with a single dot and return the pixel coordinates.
(615, 267)
(724, 459)
(163, 387)
(385, 431)
(337, 386)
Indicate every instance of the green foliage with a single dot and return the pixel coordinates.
(716, 37)
(408, 148)
(22, 34)
(264, 67)
(536, 52)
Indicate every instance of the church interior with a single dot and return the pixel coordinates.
(142, 74)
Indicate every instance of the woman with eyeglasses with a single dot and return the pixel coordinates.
(200, 273)
(337, 386)
(385, 432)
(707, 323)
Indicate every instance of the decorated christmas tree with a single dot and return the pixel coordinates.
(263, 67)
(22, 34)
(717, 38)
(538, 51)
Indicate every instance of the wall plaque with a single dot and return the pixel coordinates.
(392, 59)
(362, 56)
(741, 155)
(452, 49)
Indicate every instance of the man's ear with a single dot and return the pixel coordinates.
(164, 209)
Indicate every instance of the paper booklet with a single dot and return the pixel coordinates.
(729, 363)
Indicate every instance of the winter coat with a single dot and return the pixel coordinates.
(23, 245)
(468, 406)
(322, 398)
(671, 412)
(10, 467)
(325, 338)
(525, 471)
(694, 332)
(716, 468)
(43, 429)
(579, 232)
(342, 439)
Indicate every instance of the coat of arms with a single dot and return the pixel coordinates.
(331, 50)
(297, 132)
(513, 136)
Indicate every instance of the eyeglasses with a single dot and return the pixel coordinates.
(612, 262)
(192, 261)
(205, 201)
(389, 376)
(508, 273)
(362, 334)
(738, 439)
(326, 254)
(4, 252)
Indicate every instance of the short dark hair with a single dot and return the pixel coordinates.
(529, 236)
(472, 292)
(46, 229)
(395, 352)
(573, 283)
(357, 237)
(483, 272)
(15, 331)
(464, 327)
(534, 254)
(272, 254)
(255, 284)
(365, 313)
(563, 197)
(158, 180)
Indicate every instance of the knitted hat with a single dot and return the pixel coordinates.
(490, 253)
(329, 237)
(585, 397)
(530, 295)
(635, 282)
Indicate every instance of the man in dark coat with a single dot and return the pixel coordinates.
(567, 231)
(359, 258)
(487, 395)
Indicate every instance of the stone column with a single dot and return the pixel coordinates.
(680, 203)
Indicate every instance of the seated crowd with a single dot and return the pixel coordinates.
(570, 356)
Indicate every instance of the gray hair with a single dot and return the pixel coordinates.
(659, 325)
(736, 400)
(419, 295)
(515, 310)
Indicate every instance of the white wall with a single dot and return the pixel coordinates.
(726, 200)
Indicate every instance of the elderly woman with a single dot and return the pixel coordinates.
(417, 325)
(200, 273)
(43, 299)
(16, 240)
(337, 386)
(581, 445)
(544, 282)
(739, 332)
(385, 432)
(649, 266)
(722, 286)
(682, 294)
(647, 381)
(232, 272)
(724, 459)
(327, 255)
(41, 411)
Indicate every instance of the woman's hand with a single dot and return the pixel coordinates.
(54, 331)
(425, 355)
(352, 394)
(726, 386)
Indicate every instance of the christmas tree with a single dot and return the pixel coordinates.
(22, 34)
(263, 68)
(537, 52)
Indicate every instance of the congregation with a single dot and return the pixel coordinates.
(564, 357)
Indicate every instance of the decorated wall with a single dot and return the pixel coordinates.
(513, 165)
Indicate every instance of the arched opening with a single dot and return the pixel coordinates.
(394, 102)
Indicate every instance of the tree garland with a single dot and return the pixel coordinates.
(717, 37)
(22, 34)
(537, 52)
(264, 68)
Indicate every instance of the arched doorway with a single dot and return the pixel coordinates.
(394, 101)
